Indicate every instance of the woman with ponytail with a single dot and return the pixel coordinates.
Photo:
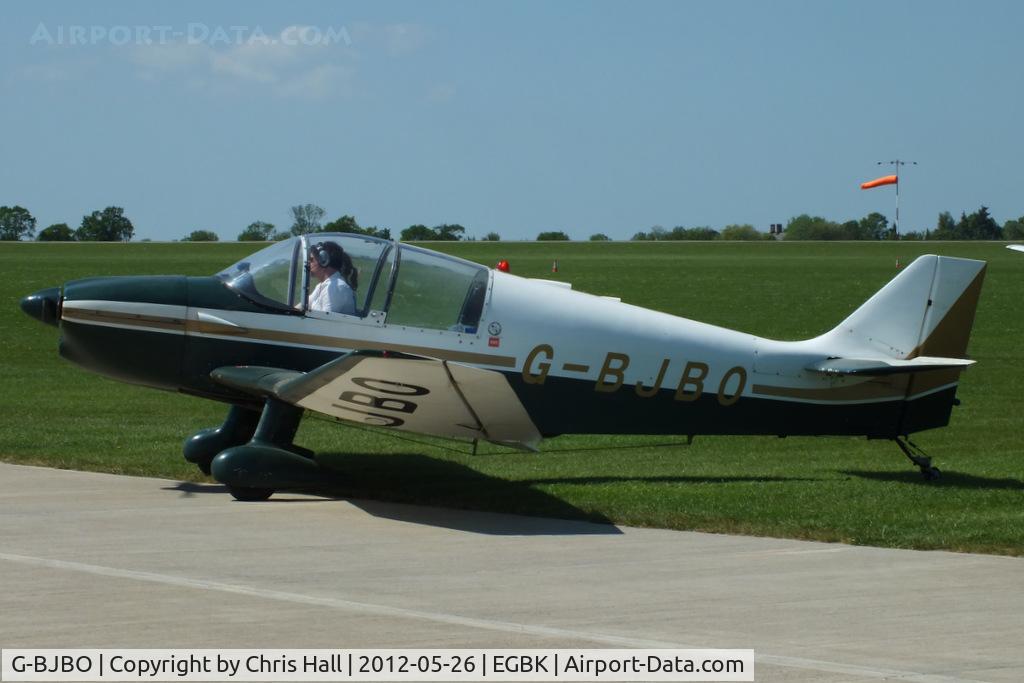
(337, 279)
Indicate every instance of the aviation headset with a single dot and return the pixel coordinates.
(334, 259)
(322, 256)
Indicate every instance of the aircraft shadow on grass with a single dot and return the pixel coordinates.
(587, 481)
(444, 492)
(948, 479)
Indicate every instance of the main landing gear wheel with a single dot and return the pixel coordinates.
(250, 494)
(923, 462)
(270, 461)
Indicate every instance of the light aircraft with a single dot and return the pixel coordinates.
(442, 346)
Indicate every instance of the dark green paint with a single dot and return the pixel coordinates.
(153, 289)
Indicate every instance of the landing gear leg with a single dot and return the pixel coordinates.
(269, 461)
(923, 462)
(203, 446)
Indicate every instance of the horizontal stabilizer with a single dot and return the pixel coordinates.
(1015, 247)
(885, 366)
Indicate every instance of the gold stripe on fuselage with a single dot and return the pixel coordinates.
(119, 318)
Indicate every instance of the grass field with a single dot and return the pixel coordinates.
(836, 489)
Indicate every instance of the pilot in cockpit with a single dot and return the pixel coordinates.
(337, 279)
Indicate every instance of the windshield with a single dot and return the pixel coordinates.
(266, 277)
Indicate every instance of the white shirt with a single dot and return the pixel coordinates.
(333, 295)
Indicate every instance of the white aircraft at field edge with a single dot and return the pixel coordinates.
(443, 346)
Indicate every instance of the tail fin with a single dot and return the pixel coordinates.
(925, 311)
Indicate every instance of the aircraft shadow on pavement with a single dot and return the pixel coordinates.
(374, 481)
(191, 488)
(419, 489)
(489, 523)
(948, 479)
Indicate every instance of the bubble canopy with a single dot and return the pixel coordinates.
(401, 283)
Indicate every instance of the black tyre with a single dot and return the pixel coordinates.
(248, 494)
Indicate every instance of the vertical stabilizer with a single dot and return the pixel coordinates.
(927, 310)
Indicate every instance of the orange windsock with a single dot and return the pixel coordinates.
(877, 182)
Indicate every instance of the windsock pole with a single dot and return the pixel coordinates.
(897, 163)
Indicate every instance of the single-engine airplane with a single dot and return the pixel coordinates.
(442, 346)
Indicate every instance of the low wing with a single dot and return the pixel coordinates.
(886, 366)
(408, 393)
(1015, 247)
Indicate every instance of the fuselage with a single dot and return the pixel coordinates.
(578, 363)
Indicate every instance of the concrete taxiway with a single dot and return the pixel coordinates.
(92, 560)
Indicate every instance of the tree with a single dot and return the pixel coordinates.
(492, 237)
(374, 231)
(850, 230)
(109, 225)
(701, 233)
(16, 222)
(343, 224)
(979, 226)
(258, 231)
(306, 218)
(656, 233)
(415, 233)
(350, 225)
(945, 228)
(58, 232)
(804, 227)
(874, 226)
(1014, 229)
(201, 236)
(600, 237)
(449, 232)
(553, 236)
(741, 232)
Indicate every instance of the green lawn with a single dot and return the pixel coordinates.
(841, 489)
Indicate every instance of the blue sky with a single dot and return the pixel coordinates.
(509, 117)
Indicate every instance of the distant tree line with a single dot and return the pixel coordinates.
(971, 226)
(111, 225)
(875, 226)
(729, 232)
(108, 225)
